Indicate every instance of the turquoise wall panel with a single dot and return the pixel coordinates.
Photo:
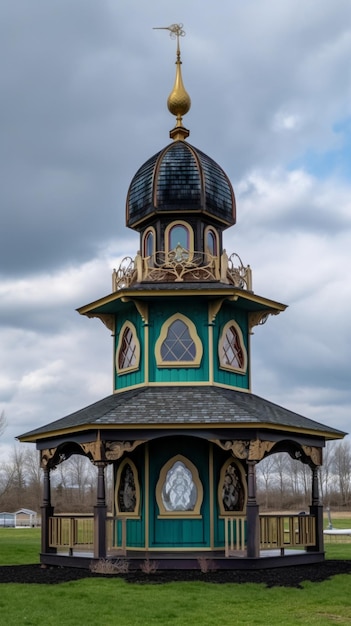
(186, 532)
(230, 312)
(158, 314)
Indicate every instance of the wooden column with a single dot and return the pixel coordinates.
(316, 509)
(47, 511)
(252, 513)
(100, 510)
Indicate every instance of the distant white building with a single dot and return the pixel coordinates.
(25, 517)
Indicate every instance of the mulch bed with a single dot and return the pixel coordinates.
(275, 577)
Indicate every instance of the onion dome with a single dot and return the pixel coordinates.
(180, 179)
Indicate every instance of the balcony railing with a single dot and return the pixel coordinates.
(181, 265)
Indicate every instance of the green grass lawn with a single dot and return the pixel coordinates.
(101, 601)
(113, 601)
(19, 546)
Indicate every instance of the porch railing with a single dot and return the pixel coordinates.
(71, 532)
(76, 532)
(234, 534)
(287, 531)
(116, 534)
(276, 532)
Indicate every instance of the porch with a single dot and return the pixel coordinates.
(283, 540)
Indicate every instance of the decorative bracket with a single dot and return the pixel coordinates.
(114, 450)
(107, 319)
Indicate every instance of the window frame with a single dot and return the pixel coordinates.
(136, 512)
(190, 231)
(163, 512)
(132, 368)
(222, 511)
(222, 337)
(149, 231)
(210, 229)
(163, 336)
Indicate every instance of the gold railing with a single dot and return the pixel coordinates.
(71, 532)
(285, 531)
(234, 534)
(181, 265)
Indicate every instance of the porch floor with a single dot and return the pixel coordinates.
(190, 560)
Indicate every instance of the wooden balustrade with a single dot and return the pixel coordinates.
(287, 531)
(234, 534)
(71, 532)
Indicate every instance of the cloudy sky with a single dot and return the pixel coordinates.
(84, 85)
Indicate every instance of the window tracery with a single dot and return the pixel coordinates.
(128, 349)
(178, 343)
(231, 349)
(231, 490)
(179, 491)
(127, 497)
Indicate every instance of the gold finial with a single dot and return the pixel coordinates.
(178, 100)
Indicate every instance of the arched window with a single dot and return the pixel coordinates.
(128, 349)
(178, 344)
(127, 492)
(179, 492)
(149, 243)
(231, 349)
(211, 241)
(178, 235)
(231, 488)
(179, 241)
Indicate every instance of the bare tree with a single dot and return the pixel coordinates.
(3, 422)
(342, 469)
(33, 477)
(265, 475)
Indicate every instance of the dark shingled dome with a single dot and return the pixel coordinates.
(180, 179)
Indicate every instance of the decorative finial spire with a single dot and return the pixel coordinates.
(178, 101)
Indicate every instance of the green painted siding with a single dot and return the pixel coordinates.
(186, 532)
(123, 381)
(135, 527)
(158, 314)
(219, 459)
(222, 376)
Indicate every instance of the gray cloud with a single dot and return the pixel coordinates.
(84, 87)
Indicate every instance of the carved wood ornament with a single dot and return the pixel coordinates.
(116, 449)
(253, 450)
(315, 454)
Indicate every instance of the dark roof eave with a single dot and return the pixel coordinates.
(209, 289)
(201, 408)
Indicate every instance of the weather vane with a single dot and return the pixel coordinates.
(178, 102)
(175, 31)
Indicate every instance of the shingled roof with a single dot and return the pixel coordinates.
(177, 406)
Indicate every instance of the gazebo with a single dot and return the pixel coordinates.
(182, 428)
